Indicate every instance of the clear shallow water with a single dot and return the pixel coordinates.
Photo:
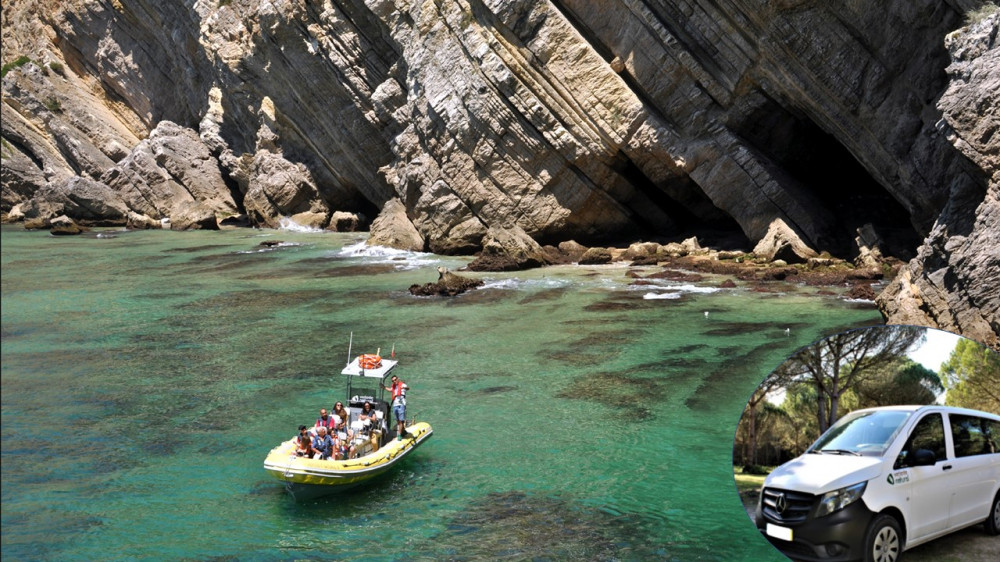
(145, 375)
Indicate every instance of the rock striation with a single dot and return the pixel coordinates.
(563, 119)
(952, 283)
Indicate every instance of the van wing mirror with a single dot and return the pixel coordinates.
(924, 457)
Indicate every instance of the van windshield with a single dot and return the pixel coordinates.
(861, 433)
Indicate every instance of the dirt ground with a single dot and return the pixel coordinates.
(968, 545)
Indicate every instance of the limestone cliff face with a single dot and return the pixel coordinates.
(953, 283)
(569, 119)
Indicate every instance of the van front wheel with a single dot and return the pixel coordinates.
(883, 541)
(993, 519)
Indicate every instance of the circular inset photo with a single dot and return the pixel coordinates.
(880, 444)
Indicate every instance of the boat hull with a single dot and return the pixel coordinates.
(305, 477)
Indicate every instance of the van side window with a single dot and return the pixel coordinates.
(928, 434)
(992, 431)
(972, 435)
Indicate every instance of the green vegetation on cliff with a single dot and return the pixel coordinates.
(19, 61)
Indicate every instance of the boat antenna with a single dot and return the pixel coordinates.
(393, 353)
(349, 344)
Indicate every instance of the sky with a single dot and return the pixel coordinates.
(935, 350)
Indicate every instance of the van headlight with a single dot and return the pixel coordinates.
(839, 499)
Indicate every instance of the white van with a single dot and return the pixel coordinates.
(884, 480)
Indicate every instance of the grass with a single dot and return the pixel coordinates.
(747, 482)
(981, 13)
(53, 105)
(19, 61)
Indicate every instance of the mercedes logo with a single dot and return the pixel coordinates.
(780, 504)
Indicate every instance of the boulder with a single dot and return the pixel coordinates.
(641, 250)
(64, 226)
(448, 285)
(674, 249)
(278, 188)
(869, 247)
(85, 200)
(192, 215)
(572, 249)
(691, 245)
(172, 174)
(342, 221)
(782, 243)
(596, 256)
(393, 229)
(509, 249)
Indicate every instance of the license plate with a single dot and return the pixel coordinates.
(778, 532)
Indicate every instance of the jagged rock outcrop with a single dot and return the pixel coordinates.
(393, 229)
(782, 243)
(448, 285)
(508, 248)
(89, 201)
(172, 175)
(277, 189)
(952, 283)
(631, 119)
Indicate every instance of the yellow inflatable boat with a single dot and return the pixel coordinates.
(377, 447)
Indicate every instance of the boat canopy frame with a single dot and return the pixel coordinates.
(355, 372)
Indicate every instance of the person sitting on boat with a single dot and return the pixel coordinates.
(398, 389)
(367, 416)
(325, 420)
(342, 415)
(322, 445)
(303, 430)
(342, 448)
(303, 446)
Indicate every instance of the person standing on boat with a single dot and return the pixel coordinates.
(398, 389)
(326, 420)
(322, 445)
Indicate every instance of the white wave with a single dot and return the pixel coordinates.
(515, 283)
(403, 259)
(685, 288)
(688, 288)
(291, 226)
(660, 296)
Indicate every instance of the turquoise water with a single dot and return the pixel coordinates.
(145, 376)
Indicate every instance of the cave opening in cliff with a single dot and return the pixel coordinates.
(836, 179)
(678, 209)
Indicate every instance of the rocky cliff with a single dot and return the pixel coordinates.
(567, 119)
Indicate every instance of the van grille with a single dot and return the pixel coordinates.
(796, 505)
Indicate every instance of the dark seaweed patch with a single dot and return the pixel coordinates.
(544, 296)
(193, 249)
(706, 397)
(738, 328)
(516, 525)
(497, 389)
(362, 270)
(621, 390)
